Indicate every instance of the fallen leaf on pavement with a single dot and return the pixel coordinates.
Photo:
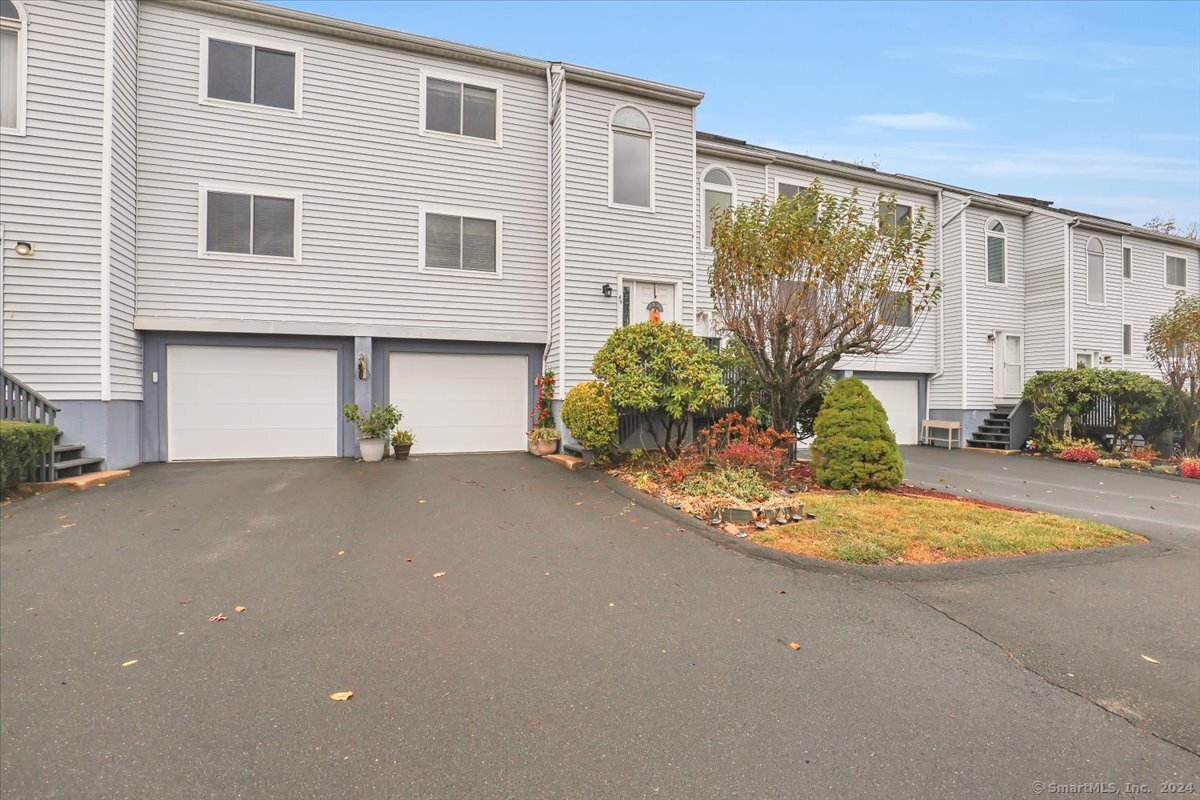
(218, 618)
(64, 516)
(341, 552)
(239, 609)
(341, 695)
(438, 574)
(71, 525)
(184, 602)
(130, 663)
(794, 645)
(1151, 660)
(420, 501)
(408, 560)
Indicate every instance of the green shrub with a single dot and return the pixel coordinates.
(1138, 401)
(376, 423)
(588, 412)
(1135, 463)
(740, 483)
(22, 444)
(1165, 469)
(854, 447)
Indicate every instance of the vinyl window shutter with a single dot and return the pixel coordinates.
(274, 226)
(443, 241)
(229, 69)
(228, 223)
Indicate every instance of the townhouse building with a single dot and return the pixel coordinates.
(223, 220)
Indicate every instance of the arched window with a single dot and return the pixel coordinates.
(997, 252)
(718, 193)
(1095, 271)
(12, 67)
(632, 153)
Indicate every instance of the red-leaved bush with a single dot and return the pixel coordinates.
(1190, 468)
(1084, 455)
(687, 463)
(766, 461)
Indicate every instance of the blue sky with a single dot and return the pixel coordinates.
(1095, 106)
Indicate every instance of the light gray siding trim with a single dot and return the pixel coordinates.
(154, 406)
(219, 325)
(50, 195)
(362, 193)
(946, 390)
(1045, 297)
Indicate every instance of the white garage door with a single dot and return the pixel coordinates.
(899, 399)
(251, 402)
(461, 403)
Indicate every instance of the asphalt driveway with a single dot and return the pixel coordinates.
(577, 646)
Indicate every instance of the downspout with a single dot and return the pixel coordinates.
(941, 344)
(549, 212)
(1069, 291)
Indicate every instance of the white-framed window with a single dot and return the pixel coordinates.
(1127, 263)
(461, 107)
(893, 216)
(1095, 271)
(253, 73)
(631, 159)
(997, 252)
(786, 189)
(1175, 271)
(1085, 359)
(719, 193)
(1127, 339)
(14, 27)
(896, 310)
(461, 240)
(251, 223)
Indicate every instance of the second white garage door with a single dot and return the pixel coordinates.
(461, 403)
(251, 402)
(899, 399)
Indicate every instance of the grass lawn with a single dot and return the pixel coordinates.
(877, 528)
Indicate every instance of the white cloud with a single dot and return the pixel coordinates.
(1090, 162)
(923, 121)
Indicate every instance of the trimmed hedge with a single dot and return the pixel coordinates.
(22, 444)
(588, 413)
(854, 446)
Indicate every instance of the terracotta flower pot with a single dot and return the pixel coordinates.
(544, 447)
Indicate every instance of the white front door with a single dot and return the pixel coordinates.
(251, 402)
(641, 300)
(1010, 365)
(461, 403)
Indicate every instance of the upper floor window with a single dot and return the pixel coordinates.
(461, 108)
(460, 242)
(893, 216)
(788, 189)
(1176, 272)
(997, 252)
(718, 191)
(1095, 271)
(1127, 263)
(1127, 340)
(242, 72)
(12, 67)
(249, 224)
(896, 309)
(632, 159)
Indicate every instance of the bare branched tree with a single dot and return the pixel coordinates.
(1169, 226)
(804, 282)
(1173, 344)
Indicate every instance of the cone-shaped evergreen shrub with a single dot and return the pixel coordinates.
(854, 447)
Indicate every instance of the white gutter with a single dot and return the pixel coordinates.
(549, 208)
(963, 295)
(106, 190)
(560, 385)
(1068, 292)
(696, 230)
(941, 345)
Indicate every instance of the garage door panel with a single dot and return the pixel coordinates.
(900, 400)
(251, 402)
(461, 403)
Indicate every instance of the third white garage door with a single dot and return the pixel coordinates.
(899, 399)
(460, 403)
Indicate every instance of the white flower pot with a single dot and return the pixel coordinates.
(371, 449)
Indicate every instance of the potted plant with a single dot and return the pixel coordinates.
(402, 442)
(543, 441)
(373, 428)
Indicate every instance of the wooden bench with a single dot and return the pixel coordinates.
(953, 430)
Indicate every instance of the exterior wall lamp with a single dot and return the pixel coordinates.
(607, 289)
(24, 248)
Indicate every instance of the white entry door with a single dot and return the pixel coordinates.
(899, 400)
(251, 402)
(642, 299)
(460, 403)
(1010, 365)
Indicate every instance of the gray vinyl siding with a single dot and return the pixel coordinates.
(921, 353)
(750, 183)
(1146, 294)
(364, 171)
(50, 196)
(990, 307)
(125, 360)
(604, 242)
(1045, 298)
(1096, 327)
(946, 390)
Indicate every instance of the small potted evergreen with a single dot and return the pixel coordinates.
(543, 441)
(373, 428)
(402, 442)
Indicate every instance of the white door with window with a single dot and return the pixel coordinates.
(899, 398)
(461, 403)
(1010, 365)
(642, 301)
